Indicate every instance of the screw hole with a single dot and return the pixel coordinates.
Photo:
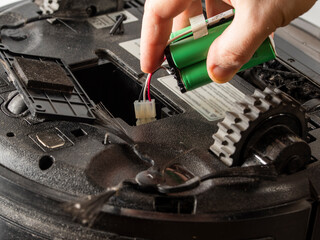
(46, 162)
(91, 11)
(10, 134)
(291, 60)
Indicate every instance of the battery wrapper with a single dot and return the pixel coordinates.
(188, 51)
(189, 56)
(196, 75)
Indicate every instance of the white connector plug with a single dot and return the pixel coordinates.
(145, 111)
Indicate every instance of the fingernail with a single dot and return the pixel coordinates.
(221, 74)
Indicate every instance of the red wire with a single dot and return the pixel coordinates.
(149, 82)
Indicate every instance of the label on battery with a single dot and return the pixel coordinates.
(211, 100)
(108, 20)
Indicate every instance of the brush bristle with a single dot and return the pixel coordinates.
(87, 209)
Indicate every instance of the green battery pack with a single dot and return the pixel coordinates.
(187, 56)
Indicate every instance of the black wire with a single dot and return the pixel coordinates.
(260, 172)
(25, 22)
(267, 172)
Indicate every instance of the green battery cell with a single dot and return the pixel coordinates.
(189, 51)
(196, 75)
(187, 56)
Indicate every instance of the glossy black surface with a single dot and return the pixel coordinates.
(36, 180)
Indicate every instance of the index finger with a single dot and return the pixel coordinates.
(156, 28)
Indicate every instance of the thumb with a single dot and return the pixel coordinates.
(236, 45)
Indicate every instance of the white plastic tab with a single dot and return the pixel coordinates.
(145, 111)
(198, 26)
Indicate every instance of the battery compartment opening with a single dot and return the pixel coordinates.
(107, 84)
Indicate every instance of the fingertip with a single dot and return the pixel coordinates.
(226, 56)
(221, 74)
(150, 64)
(221, 64)
(146, 68)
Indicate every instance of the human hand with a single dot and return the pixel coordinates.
(254, 21)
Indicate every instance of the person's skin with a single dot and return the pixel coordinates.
(254, 21)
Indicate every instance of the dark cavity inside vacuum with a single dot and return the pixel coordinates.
(74, 165)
